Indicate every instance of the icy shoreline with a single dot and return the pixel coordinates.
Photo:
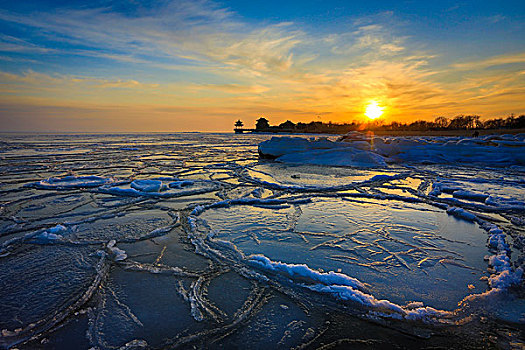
(362, 150)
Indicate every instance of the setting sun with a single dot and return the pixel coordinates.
(373, 110)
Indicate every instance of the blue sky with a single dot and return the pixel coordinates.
(199, 65)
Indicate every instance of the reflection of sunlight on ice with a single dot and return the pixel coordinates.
(380, 243)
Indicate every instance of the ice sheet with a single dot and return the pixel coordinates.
(193, 240)
(362, 150)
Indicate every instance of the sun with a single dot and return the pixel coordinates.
(373, 110)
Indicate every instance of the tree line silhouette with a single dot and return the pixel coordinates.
(460, 122)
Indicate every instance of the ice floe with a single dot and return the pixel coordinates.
(318, 152)
(461, 213)
(68, 182)
(51, 234)
(161, 188)
(302, 270)
(148, 185)
(117, 253)
(362, 150)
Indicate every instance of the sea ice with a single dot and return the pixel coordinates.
(375, 244)
(347, 156)
(304, 271)
(51, 234)
(279, 146)
(117, 253)
(362, 150)
(160, 188)
(148, 185)
(191, 240)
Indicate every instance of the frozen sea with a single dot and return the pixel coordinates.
(192, 240)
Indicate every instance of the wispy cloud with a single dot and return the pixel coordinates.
(491, 61)
(39, 79)
(200, 59)
(192, 31)
(12, 44)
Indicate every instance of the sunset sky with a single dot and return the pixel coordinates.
(200, 65)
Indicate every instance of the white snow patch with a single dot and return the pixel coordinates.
(51, 234)
(355, 149)
(304, 271)
(158, 188)
(506, 278)
(117, 253)
(461, 213)
(148, 185)
(347, 156)
(198, 210)
(344, 287)
(474, 196)
(279, 146)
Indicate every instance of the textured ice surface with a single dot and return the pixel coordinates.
(405, 252)
(38, 280)
(192, 240)
(362, 150)
(159, 188)
(68, 182)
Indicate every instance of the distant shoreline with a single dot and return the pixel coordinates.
(460, 125)
(464, 132)
(468, 132)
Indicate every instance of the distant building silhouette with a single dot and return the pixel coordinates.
(459, 122)
(287, 125)
(262, 124)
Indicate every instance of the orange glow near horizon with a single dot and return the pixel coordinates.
(374, 110)
(168, 72)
